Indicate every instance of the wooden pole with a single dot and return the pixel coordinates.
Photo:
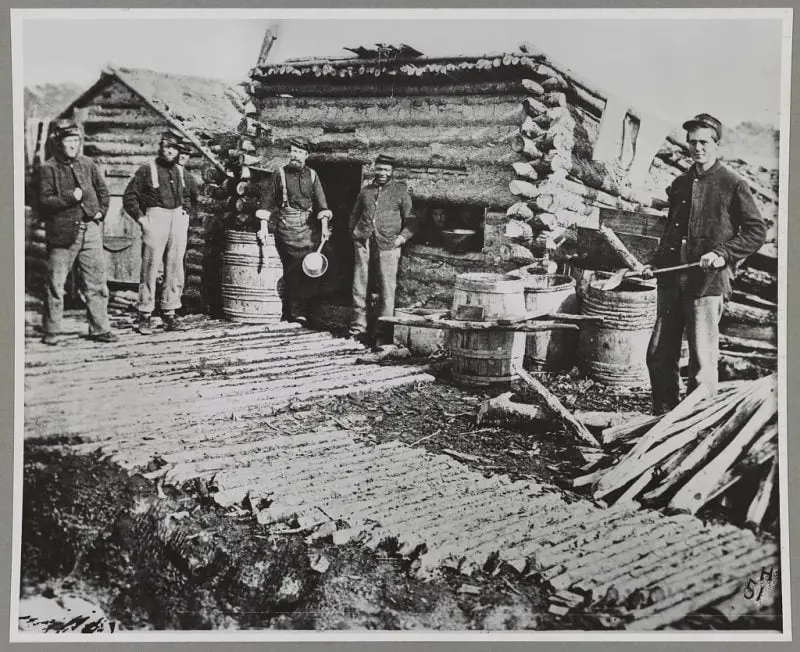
(619, 247)
(577, 428)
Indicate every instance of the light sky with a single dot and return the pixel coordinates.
(673, 68)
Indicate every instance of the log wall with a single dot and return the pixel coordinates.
(427, 134)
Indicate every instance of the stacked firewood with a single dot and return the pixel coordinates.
(721, 448)
(238, 186)
(235, 191)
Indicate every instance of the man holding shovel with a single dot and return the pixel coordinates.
(713, 225)
(294, 208)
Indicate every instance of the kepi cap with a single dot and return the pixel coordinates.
(301, 142)
(385, 159)
(64, 128)
(171, 137)
(704, 120)
(185, 147)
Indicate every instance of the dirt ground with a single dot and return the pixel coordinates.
(149, 558)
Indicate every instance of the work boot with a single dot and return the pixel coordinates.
(106, 338)
(357, 334)
(144, 325)
(51, 339)
(173, 323)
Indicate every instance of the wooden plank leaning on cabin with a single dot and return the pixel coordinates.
(633, 222)
(597, 251)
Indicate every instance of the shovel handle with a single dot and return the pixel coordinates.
(664, 270)
(676, 268)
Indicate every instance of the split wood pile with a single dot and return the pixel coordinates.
(707, 449)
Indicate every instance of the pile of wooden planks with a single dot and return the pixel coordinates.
(709, 448)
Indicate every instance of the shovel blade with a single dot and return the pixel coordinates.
(614, 282)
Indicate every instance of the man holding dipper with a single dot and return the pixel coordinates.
(294, 208)
(73, 200)
(713, 219)
(381, 222)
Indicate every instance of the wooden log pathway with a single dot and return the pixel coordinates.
(209, 404)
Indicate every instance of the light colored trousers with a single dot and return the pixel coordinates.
(678, 310)
(88, 251)
(164, 236)
(369, 259)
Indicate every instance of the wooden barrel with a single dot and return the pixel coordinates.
(482, 358)
(550, 350)
(616, 352)
(250, 275)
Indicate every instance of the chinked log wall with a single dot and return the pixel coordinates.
(427, 134)
(121, 134)
(452, 143)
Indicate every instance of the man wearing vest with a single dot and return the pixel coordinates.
(73, 201)
(381, 222)
(155, 199)
(294, 208)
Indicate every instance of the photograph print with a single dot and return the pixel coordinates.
(401, 324)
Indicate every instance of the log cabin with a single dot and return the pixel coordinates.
(484, 143)
(122, 116)
(504, 144)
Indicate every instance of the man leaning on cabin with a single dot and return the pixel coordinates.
(381, 222)
(73, 200)
(713, 219)
(155, 199)
(295, 210)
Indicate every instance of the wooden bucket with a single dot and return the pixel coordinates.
(616, 352)
(550, 350)
(483, 358)
(250, 275)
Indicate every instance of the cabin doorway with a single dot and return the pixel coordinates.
(341, 183)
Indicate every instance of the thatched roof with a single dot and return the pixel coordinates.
(199, 104)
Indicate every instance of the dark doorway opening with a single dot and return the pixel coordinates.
(342, 183)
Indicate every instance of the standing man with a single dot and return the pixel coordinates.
(294, 208)
(713, 220)
(154, 198)
(73, 200)
(189, 201)
(382, 221)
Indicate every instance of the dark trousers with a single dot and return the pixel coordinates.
(299, 291)
(88, 251)
(678, 310)
(370, 260)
